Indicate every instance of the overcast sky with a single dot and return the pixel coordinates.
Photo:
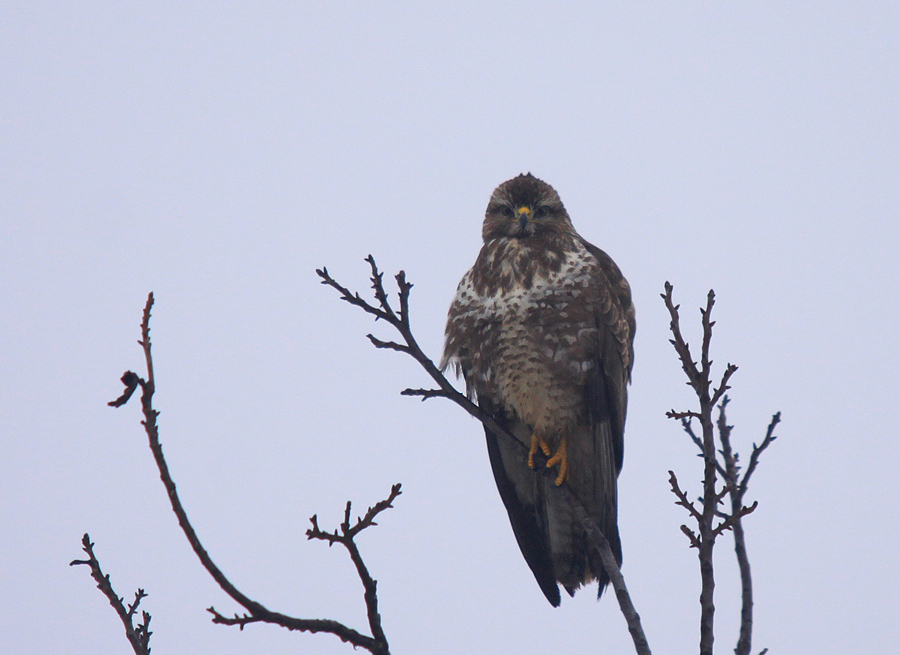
(217, 154)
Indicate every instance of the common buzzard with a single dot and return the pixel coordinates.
(541, 329)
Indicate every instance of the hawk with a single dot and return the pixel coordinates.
(542, 330)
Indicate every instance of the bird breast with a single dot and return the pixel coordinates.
(528, 339)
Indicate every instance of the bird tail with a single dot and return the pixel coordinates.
(593, 471)
(551, 538)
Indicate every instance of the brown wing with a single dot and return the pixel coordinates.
(608, 388)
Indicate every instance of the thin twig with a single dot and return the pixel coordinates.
(723, 385)
(376, 644)
(682, 497)
(138, 635)
(758, 450)
(425, 394)
(681, 346)
(400, 321)
(682, 416)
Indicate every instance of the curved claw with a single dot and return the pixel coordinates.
(537, 442)
(559, 458)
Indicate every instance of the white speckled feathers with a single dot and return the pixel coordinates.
(526, 361)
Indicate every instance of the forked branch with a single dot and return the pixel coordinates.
(138, 635)
(719, 464)
(255, 611)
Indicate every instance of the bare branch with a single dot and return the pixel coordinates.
(699, 380)
(131, 382)
(346, 539)
(348, 532)
(352, 298)
(376, 644)
(138, 635)
(689, 429)
(681, 347)
(239, 621)
(708, 323)
(682, 497)
(733, 519)
(632, 618)
(425, 393)
(728, 469)
(682, 416)
(692, 536)
(737, 488)
(389, 345)
(758, 450)
(723, 385)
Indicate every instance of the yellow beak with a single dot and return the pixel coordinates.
(524, 213)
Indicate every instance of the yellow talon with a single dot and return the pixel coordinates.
(537, 442)
(560, 459)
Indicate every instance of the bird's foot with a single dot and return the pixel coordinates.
(559, 458)
(537, 442)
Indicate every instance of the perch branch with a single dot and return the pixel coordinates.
(399, 320)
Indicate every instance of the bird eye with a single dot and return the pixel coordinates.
(540, 212)
(506, 211)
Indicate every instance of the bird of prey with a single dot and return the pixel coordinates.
(541, 329)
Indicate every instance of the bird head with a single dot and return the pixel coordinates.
(525, 207)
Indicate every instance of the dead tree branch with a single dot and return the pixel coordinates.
(345, 538)
(256, 612)
(737, 486)
(399, 320)
(727, 469)
(138, 635)
(699, 380)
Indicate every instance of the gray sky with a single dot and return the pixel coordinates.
(216, 154)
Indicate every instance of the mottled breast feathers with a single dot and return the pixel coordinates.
(541, 329)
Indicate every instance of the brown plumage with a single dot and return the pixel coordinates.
(541, 329)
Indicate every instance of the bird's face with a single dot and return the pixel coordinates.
(525, 207)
